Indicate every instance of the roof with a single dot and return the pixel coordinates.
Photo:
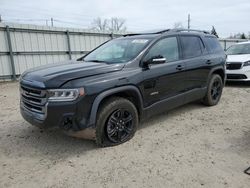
(167, 31)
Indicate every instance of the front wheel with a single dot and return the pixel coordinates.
(214, 91)
(117, 120)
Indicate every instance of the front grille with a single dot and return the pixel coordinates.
(33, 100)
(236, 76)
(234, 66)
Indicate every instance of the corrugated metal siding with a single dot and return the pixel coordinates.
(5, 68)
(39, 45)
(226, 43)
(5, 65)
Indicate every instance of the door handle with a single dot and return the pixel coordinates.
(179, 67)
(209, 62)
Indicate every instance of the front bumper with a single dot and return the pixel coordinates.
(71, 116)
(57, 115)
(62, 116)
(242, 74)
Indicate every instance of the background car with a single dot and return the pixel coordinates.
(238, 62)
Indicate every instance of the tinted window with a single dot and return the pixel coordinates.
(191, 46)
(167, 48)
(213, 45)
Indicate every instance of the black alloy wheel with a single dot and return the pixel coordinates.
(117, 121)
(119, 125)
(214, 90)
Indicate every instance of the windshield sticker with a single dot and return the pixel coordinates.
(140, 41)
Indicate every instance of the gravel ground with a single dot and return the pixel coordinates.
(192, 146)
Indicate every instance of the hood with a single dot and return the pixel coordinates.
(55, 75)
(238, 58)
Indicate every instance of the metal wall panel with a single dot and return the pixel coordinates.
(5, 68)
(3, 42)
(226, 43)
(34, 46)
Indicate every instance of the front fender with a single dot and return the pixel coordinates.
(103, 95)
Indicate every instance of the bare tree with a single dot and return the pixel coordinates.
(117, 24)
(178, 25)
(113, 24)
(99, 24)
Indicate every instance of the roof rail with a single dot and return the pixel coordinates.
(166, 30)
(147, 32)
(192, 30)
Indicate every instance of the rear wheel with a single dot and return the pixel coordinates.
(117, 120)
(214, 91)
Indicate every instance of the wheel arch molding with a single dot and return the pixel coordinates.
(220, 71)
(129, 92)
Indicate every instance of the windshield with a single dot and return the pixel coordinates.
(238, 49)
(118, 50)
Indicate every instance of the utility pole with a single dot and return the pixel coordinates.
(0, 18)
(189, 21)
(52, 24)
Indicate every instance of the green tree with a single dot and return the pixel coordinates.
(243, 36)
(213, 32)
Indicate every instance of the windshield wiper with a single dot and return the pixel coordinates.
(96, 61)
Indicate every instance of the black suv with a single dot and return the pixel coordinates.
(106, 93)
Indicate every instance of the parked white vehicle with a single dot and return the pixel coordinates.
(238, 62)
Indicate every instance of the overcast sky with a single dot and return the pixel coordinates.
(228, 16)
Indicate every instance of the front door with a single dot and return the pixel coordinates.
(166, 80)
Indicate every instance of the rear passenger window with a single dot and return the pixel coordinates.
(191, 46)
(213, 45)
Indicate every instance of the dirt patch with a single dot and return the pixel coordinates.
(192, 146)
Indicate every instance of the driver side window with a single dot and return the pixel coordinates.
(166, 48)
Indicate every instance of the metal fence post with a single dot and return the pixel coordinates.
(112, 35)
(225, 45)
(69, 47)
(11, 53)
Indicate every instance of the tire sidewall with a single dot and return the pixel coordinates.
(105, 111)
(209, 96)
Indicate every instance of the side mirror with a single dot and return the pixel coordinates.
(156, 60)
(159, 60)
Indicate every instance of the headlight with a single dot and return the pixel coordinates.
(65, 94)
(247, 63)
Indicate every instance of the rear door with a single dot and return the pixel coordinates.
(197, 61)
(162, 81)
(217, 54)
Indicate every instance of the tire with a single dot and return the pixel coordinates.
(214, 91)
(117, 121)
